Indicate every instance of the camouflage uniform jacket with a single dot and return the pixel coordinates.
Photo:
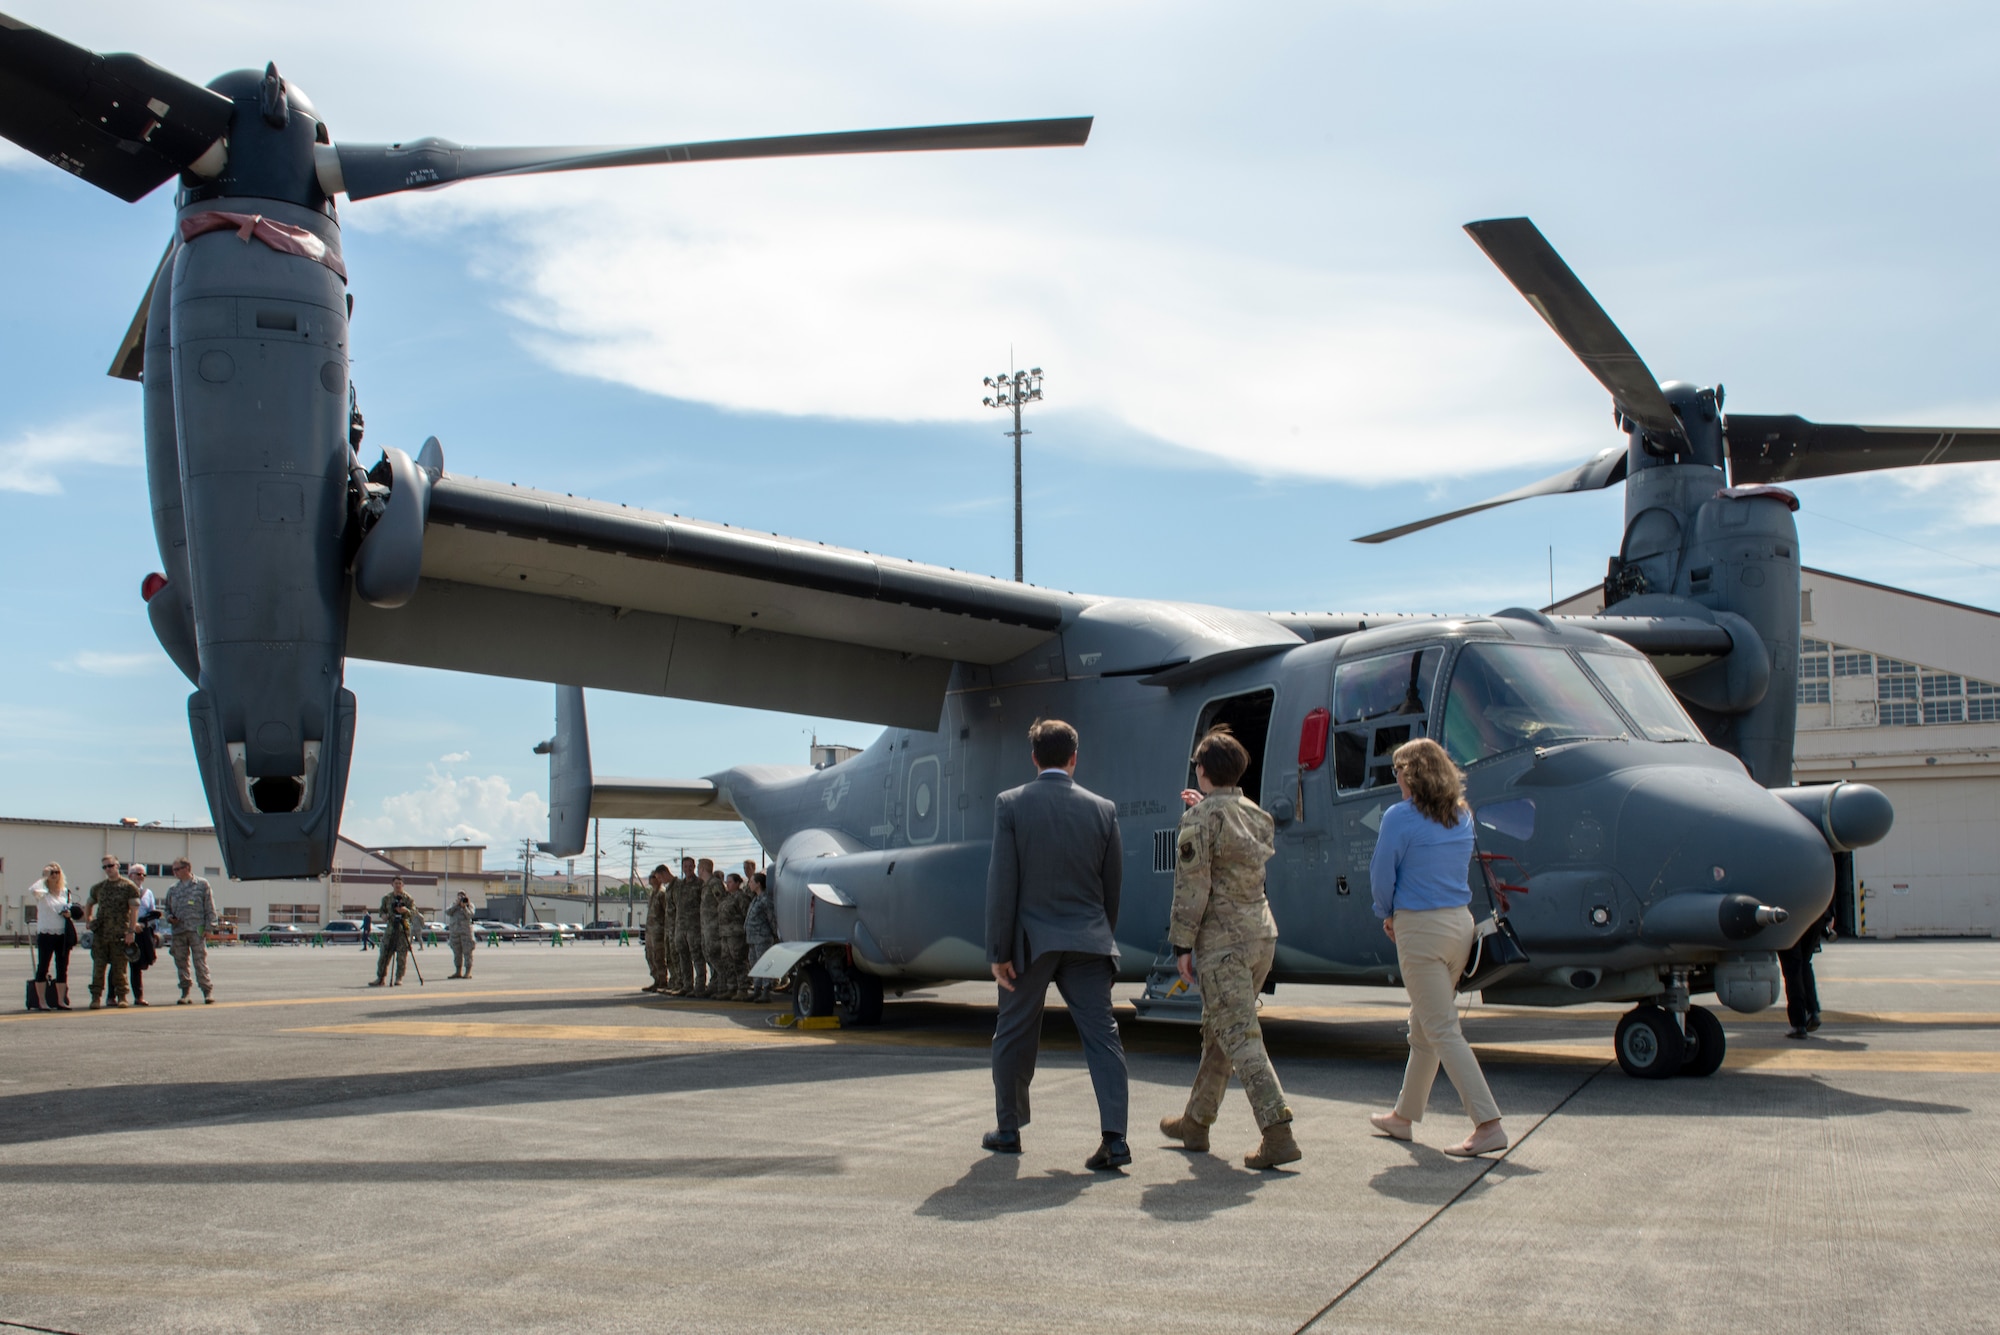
(398, 909)
(191, 906)
(1225, 840)
(687, 906)
(458, 922)
(659, 910)
(760, 922)
(731, 910)
(111, 902)
(713, 891)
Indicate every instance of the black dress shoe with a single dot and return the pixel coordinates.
(1112, 1153)
(1812, 1021)
(1800, 1032)
(1001, 1142)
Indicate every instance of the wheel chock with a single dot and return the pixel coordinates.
(787, 1020)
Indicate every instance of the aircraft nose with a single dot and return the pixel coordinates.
(1712, 849)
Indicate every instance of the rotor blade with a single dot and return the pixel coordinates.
(120, 122)
(130, 359)
(1780, 449)
(1599, 471)
(368, 170)
(1531, 264)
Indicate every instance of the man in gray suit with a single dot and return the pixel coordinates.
(1051, 905)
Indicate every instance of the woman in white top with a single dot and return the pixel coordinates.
(52, 936)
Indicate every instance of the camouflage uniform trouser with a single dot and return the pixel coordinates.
(461, 953)
(107, 953)
(735, 968)
(657, 950)
(753, 950)
(1231, 974)
(396, 944)
(718, 968)
(693, 965)
(186, 946)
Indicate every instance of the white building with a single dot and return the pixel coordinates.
(1902, 691)
(357, 883)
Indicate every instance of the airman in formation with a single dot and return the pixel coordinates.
(705, 929)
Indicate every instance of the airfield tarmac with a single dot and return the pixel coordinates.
(542, 1148)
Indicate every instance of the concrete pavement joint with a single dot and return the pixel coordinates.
(1456, 1197)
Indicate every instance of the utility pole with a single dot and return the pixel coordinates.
(596, 848)
(634, 840)
(1012, 390)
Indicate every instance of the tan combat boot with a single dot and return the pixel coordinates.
(1190, 1133)
(1277, 1147)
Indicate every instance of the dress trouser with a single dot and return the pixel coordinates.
(1084, 981)
(1432, 946)
(1801, 988)
(48, 950)
(1231, 976)
(190, 948)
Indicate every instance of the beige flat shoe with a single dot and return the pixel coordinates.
(1478, 1143)
(1390, 1125)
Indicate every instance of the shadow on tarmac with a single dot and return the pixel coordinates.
(993, 1187)
(1215, 1185)
(409, 1171)
(1432, 1177)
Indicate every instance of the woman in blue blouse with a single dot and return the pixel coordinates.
(1418, 875)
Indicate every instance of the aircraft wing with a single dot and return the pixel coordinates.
(533, 584)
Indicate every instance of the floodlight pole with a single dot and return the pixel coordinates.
(1012, 389)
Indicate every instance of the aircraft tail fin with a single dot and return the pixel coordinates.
(576, 794)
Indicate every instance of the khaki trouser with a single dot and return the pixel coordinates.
(1231, 975)
(1432, 946)
(189, 945)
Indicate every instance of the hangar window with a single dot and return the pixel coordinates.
(1846, 663)
(1506, 696)
(1812, 666)
(1899, 713)
(1815, 692)
(1378, 704)
(1982, 702)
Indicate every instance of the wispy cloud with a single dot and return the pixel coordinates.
(35, 460)
(452, 806)
(455, 758)
(97, 663)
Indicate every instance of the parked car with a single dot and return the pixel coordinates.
(602, 930)
(279, 934)
(483, 930)
(438, 928)
(343, 930)
(542, 931)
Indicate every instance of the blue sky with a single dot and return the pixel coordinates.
(1249, 291)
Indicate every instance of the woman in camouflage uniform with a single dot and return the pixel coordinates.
(458, 919)
(1222, 931)
(760, 932)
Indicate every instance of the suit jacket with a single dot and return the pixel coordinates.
(1056, 870)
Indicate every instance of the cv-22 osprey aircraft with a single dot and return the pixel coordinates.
(1630, 773)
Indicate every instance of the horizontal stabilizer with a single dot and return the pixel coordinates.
(576, 797)
(658, 799)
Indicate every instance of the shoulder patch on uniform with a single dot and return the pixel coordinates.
(1187, 849)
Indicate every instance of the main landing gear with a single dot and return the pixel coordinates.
(824, 985)
(1657, 1041)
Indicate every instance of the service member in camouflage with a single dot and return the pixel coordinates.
(114, 923)
(712, 891)
(732, 934)
(760, 932)
(1222, 932)
(399, 914)
(191, 913)
(688, 962)
(658, 944)
(458, 930)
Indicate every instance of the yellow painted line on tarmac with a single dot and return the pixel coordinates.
(1772, 1059)
(1934, 982)
(712, 1035)
(1599, 1014)
(363, 995)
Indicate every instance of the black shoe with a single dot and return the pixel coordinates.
(1003, 1142)
(1112, 1153)
(1800, 1032)
(1812, 1022)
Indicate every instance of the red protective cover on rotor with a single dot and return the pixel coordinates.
(281, 237)
(150, 586)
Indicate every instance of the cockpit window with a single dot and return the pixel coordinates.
(1505, 696)
(1378, 704)
(1635, 686)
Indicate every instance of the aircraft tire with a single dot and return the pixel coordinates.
(1706, 1043)
(812, 991)
(1649, 1044)
(859, 1001)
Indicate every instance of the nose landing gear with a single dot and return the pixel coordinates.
(1672, 1038)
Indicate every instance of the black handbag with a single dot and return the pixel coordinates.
(1497, 953)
